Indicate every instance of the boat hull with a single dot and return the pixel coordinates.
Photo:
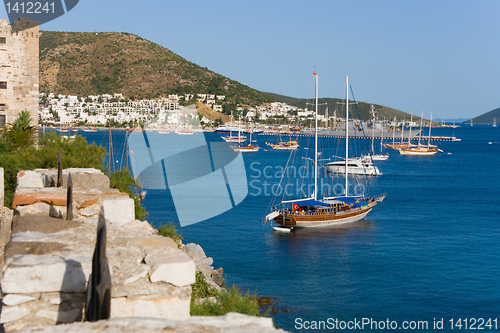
(314, 221)
(358, 171)
(380, 157)
(247, 149)
(420, 152)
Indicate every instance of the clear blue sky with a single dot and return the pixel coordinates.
(434, 56)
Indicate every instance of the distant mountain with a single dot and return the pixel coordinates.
(486, 118)
(89, 63)
(449, 121)
(333, 105)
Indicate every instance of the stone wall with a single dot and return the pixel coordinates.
(19, 67)
(48, 260)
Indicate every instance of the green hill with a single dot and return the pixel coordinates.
(486, 118)
(85, 63)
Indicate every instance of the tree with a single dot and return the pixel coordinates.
(20, 133)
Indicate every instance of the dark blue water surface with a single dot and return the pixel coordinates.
(431, 250)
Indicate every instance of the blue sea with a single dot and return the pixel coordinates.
(427, 258)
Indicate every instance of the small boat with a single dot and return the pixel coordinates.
(231, 137)
(234, 138)
(90, 129)
(164, 132)
(185, 131)
(372, 156)
(288, 145)
(355, 166)
(314, 212)
(494, 122)
(63, 130)
(250, 148)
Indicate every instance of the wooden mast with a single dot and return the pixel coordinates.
(346, 134)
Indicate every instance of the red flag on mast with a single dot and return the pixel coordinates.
(295, 206)
(314, 73)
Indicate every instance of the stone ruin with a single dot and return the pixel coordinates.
(47, 261)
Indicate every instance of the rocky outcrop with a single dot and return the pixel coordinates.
(204, 265)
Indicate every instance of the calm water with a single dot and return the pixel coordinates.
(431, 250)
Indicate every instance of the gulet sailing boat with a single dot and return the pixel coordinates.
(250, 148)
(314, 212)
(420, 149)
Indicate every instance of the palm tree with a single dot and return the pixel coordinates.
(20, 133)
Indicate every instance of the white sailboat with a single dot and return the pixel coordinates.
(250, 148)
(314, 212)
(494, 122)
(231, 138)
(372, 155)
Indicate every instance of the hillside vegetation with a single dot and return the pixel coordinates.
(85, 63)
(487, 118)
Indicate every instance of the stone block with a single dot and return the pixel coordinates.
(171, 266)
(16, 299)
(84, 181)
(29, 179)
(10, 314)
(170, 308)
(119, 210)
(45, 273)
(60, 316)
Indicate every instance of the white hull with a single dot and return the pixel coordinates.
(419, 152)
(378, 157)
(355, 167)
(246, 149)
(234, 139)
(285, 148)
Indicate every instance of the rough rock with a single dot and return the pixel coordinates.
(119, 210)
(60, 316)
(194, 250)
(217, 277)
(45, 273)
(13, 313)
(29, 179)
(16, 299)
(171, 266)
